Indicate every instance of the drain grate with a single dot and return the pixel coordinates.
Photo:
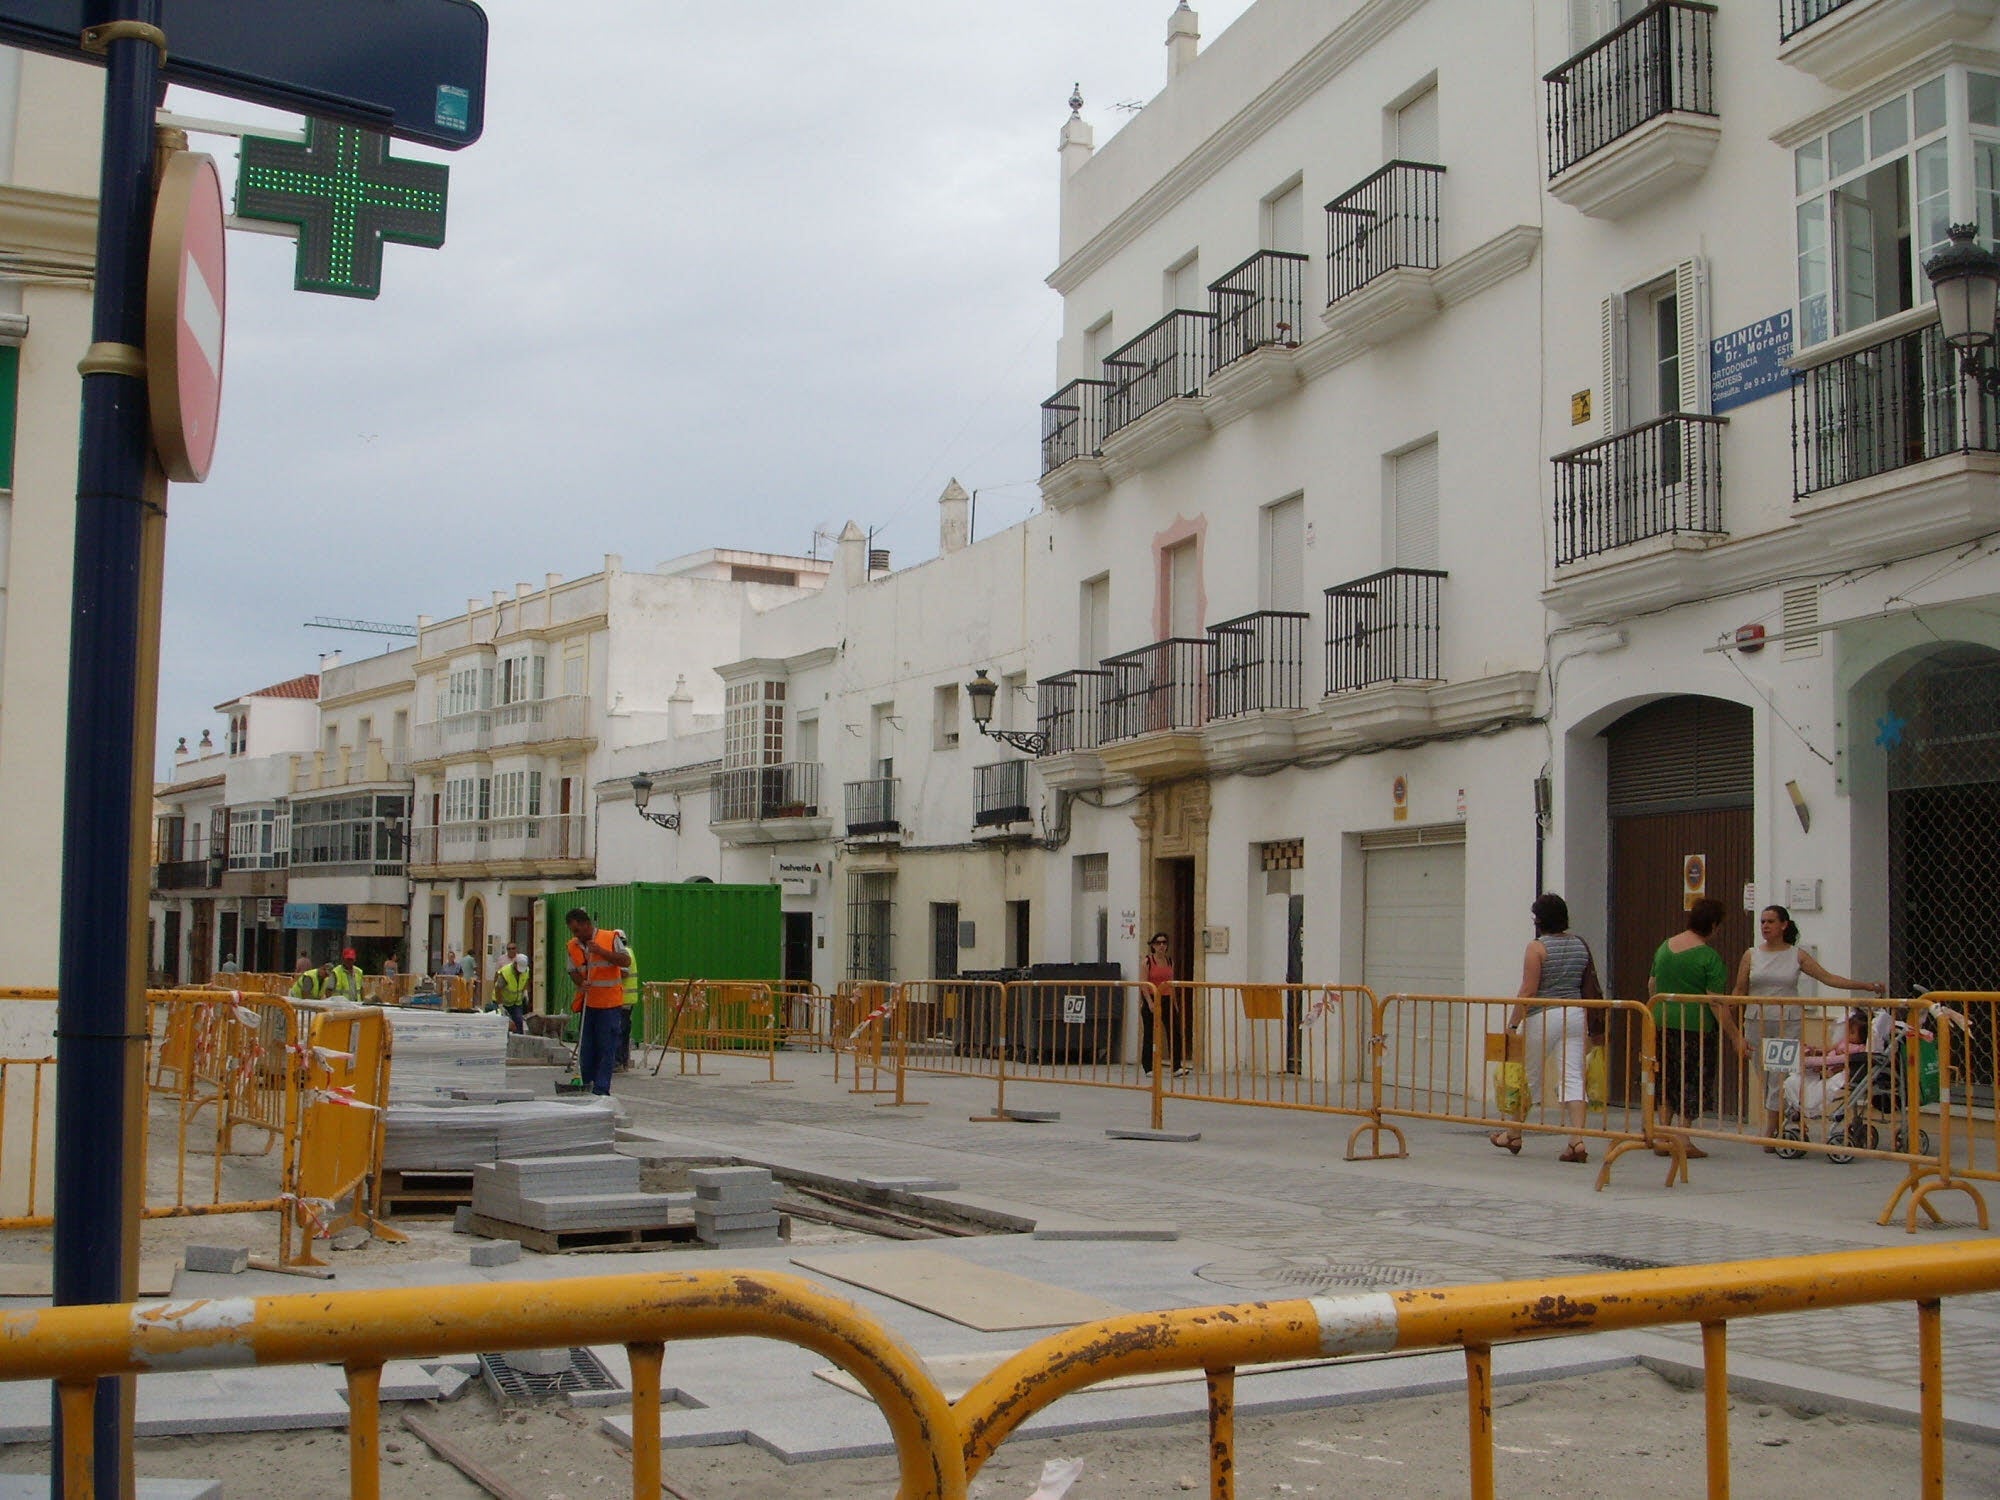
(514, 1387)
(1616, 1262)
(1305, 1275)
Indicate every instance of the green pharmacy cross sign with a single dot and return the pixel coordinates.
(347, 195)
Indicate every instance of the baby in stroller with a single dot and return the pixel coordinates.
(1853, 1082)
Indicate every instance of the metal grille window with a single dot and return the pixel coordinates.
(1073, 423)
(1884, 407)
(1068, 709)
(1257, 663)
(871, 910)
(1661, 478)
(1384, 628)
(1385, 222)
(1680, 753)
(1169, 359)
(1260, 302)
(871, 805)
(1000, 794)
(1659, 62)
(1283, 854)
(1156, 688)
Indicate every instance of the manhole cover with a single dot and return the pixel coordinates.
(513, 1387)
(1302, 1276)
(1616, 1262)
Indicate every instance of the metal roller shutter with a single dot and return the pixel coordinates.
(1681, 754)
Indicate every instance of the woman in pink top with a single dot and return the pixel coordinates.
(1157, 969)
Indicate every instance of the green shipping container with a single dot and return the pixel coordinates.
(697, 931)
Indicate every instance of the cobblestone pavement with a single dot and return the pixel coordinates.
(1269, 1191)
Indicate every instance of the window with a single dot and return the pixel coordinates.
(807, 748)
(573, 670)
(1184, 288)
(1097, 343)
(330, 740)
(1014, 709)
(1874, 200)
(881, 748)
(364, 831)
(1017, 935)
(1591, 19)
(517, 794)
(1093, 631)
(1417, 128)
(239, 733)
(467, 691)
(753, 724)
(870, 926)
(521, 677)
(1411, 535)
(1285, 220)
(468, 799)
(944, 717)
(1180, 581)
(364, 731)
(10, 391)
(1281, 547)
(1655, 349)
(260, 838)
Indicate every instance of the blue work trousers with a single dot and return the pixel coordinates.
(597, 1047)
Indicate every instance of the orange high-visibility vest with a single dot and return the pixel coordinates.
(603, 981)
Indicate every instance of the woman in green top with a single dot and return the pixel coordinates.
(1686, 964)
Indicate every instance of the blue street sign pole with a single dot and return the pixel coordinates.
(98, 1030)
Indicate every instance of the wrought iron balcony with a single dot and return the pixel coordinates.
(755, 793)
(1069, 709)
(1384, 628)
(871, 806)
(1000, 794)
(1169, 359)
(1659, 62)
(1259, 303)
(1256, 663)
(1073, 423)
(1795, 16)
(187, 874)
(1885, 407)
(1156, 689)
(1385, 222)
(1661, 478)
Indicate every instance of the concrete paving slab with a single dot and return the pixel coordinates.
(451, 1384)
(407, 1380)
(910, 1184)
(1181, 1137)
(954, 1288)
(36, 1487)
(278, 1398)
(1114, 1232)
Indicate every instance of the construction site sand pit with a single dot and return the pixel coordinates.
(1616, 1434)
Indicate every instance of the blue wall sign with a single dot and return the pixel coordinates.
(1749, 364)
(315, 916)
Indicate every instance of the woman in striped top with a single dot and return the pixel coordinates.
(1552, 972)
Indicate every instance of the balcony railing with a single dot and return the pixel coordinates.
(754, 793)
(1386, 222)
(502, 839)
(453, 735)
(1000, 794)
(1256, 663)
(1659, 62)
(1073, 423)
(1155, 689)
(187, 874)
(1261, 302)
(541, 720)
(1885, 407)
(1795, 16)
(1069, 709)
(1660, 478)
(871, 806)
(1169, 359)
(1384, 628)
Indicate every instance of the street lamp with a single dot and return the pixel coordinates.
(980, 693)
(1966, 278)
(642, 793)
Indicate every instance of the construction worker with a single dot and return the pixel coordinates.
(511, 985)
(598, 961)
(631, 1004)
(312, 983)
(345, 982)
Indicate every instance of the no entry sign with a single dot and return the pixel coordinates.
(186, 293)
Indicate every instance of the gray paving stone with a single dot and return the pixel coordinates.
(1181, 1137)
(182, 1402)
(707, 1223)
(451, 1383)
(495, 1253)
(1126, 1232)
(36, 1487)
(726, 1177)
(218, 1260)
(910, 1184)
(407, 1380)
(1032, 1116)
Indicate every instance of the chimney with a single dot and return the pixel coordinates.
(550, 580)
(878, 562)
(853, 556)
(613, 562)
(423, 622)
(498, 595)
(680, 709)
(1183, 40)
(954, 519)
(328, 659)
(1078, 140)
(522, 590)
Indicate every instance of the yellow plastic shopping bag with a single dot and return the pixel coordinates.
(1507, 1074)
(1596, 1077)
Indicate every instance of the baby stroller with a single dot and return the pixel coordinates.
(1873, 1096)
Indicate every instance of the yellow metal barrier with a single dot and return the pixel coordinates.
(805, 1016)
(730, 1018)
(27, 1091)
(864, 1022)
(1951, 1059)
(75, 1346)
(954, 1027)
(1286, 1046)
(1219, 1340)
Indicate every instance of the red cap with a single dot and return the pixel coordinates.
(347, 953)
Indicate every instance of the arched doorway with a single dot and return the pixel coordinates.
(475, 939)
(1680, 782)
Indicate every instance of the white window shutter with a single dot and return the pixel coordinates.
(1416, 529)
(1583, 24)
(1691, 303)
(1611, 375)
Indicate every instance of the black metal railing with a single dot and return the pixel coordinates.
(1069, 707)
(1659, 62)
(1256, 663)
(1384, 628)
(1385, 222)
(1169, 359)
(1261, 302)
(1884, 407)
(787, 790)
(1656, 479)
(1157, 688)
(1000, 794)
(1072, 423)
(187, 874)
(1795, 16)
(871, 806)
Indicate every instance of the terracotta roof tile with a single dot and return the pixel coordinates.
(306, 687)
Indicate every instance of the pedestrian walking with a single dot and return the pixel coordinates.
(598, 959)
(1687, 964)
(1771, 971)
(1556, 967)
(512, 983)
(1157, 969)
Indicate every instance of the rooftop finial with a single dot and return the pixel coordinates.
(1076, 100)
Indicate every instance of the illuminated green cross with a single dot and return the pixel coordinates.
(347, 195)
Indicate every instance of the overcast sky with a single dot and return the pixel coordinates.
(715, 275)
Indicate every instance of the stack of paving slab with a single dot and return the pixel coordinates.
(448, 1136)
(570, 1194)
(734, 1206)
(435, 1054)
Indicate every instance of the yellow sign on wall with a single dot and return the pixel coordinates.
(1579, 408)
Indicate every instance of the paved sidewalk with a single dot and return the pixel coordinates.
(1266, 1206)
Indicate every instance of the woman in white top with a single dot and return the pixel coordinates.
(1771, 970)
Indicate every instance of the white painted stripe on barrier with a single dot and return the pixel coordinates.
(229, 1318)
(1364, 1324)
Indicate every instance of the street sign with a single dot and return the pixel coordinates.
(413, 68)
(186, 294)
(347, 195)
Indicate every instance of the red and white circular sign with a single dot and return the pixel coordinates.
(186, 293)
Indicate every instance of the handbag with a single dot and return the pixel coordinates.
(1590, 985)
